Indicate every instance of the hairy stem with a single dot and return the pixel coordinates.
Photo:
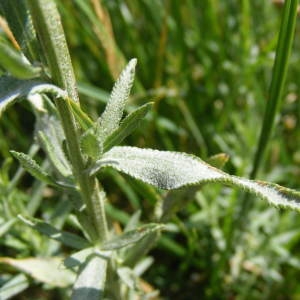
(50, 33)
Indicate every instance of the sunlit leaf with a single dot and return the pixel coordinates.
(44, 269)
(15, 63)
(12, 89)
(127, 126)
(91, 279)
(171, 170)
(31, 166)
(113, 112)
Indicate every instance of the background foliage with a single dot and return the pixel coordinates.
(207, 66)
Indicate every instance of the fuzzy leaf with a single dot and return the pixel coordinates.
(44, 269)
(171, 170)
(90, 144)
(67, 238)
(50, 133)
(31, 166)
(55, 156)
(112, 115)
(127, 126)
(11, 89)
(132, 236)
(91, 279)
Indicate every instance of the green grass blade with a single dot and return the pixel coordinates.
(283, 51)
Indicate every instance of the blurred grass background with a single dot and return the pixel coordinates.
(207, 65)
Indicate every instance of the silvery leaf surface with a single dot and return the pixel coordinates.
(91, 279)
(11, 89)
(171, 170)
(112, 115)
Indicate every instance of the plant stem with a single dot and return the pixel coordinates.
(283, 51)
(50, 32)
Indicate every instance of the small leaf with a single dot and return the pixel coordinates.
(133, 221)
(219, 160)
(171, 170)
(14, 286)
(49, 130)
(44, 269)
(129, 278)
(90, 144)
(11, 89)
(16, 64)
(82, 118)
(132, 236)
(31, 166)
(54, 155)
(67, 238)
(112, 115)
(127, 126)
(90, 282)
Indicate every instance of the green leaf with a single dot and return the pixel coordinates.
(90, 144)
(171, 170)
(31, 166)
(16, 64)
(11, 89)
(127, 126)
(5, 227)
(82, 118)
(219, 160)
(133, 221)
(128, 276)
(54, 155)
(112, 115)
(49, 130)
(14, 286)
(90, 282)
(44, 269)
(132, 236)
(69, 239)
(19, 21)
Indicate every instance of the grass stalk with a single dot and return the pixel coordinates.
(280, 67)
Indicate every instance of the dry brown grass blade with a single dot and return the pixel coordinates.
(114, 58)
(8, 33)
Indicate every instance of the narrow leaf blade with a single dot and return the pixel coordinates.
(82, 118)
(16, 64)
(31, 166)
(132, 236)
(67, 238)
(44, 269)
(127, 126)
(113, 112)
